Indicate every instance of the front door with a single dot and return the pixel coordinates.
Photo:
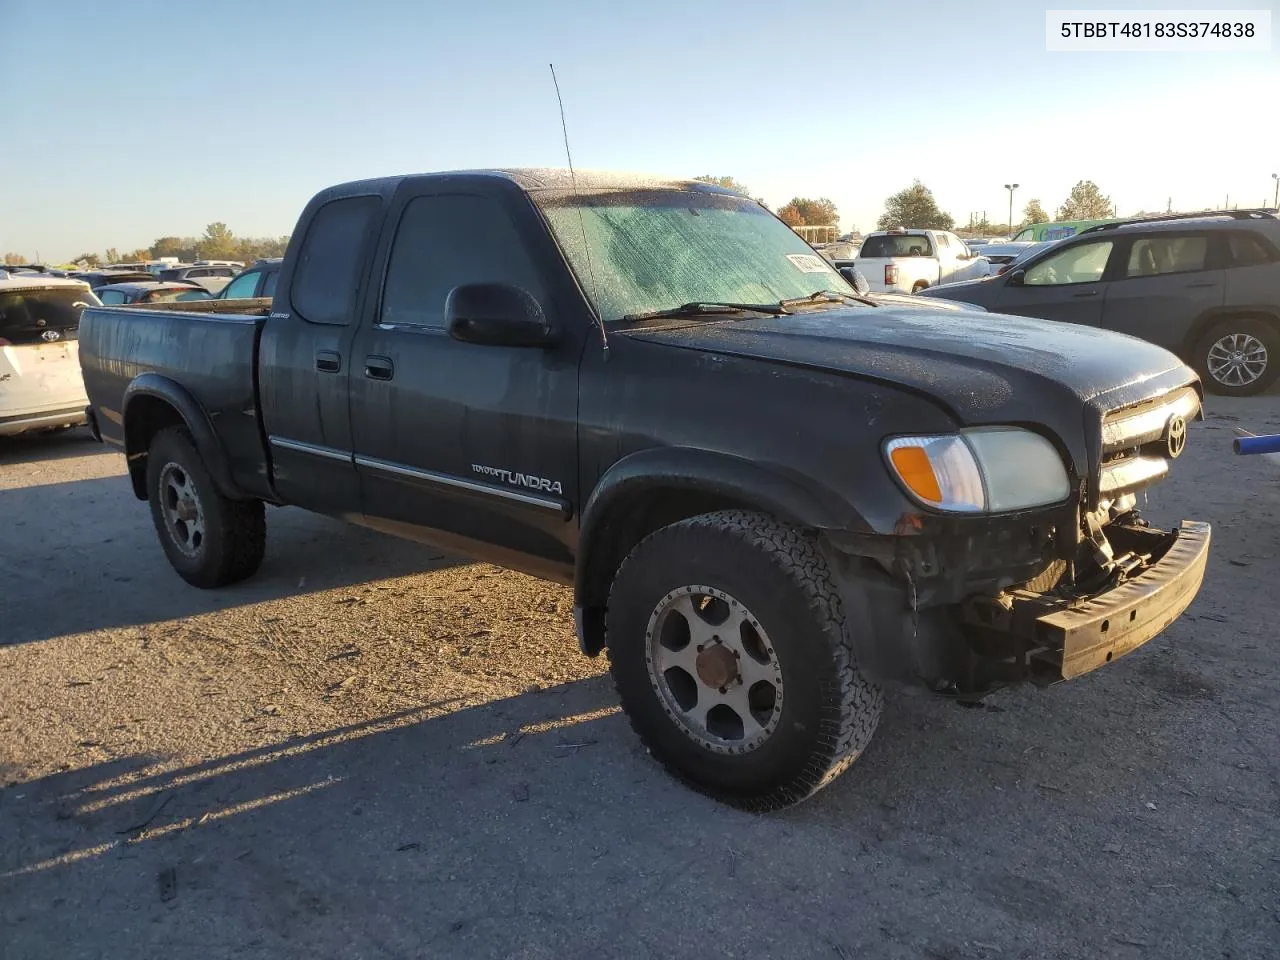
(461, 444)
(1069, 285)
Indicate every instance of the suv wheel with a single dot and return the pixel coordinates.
(730, 651)
(211, 540)
(1238, 357)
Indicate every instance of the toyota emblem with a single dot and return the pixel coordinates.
(1175, 436)
(49, 336)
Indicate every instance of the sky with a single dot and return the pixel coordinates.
(158, 118)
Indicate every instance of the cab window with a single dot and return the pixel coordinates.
(1155, 256)
(1081, 263)
(243, 286)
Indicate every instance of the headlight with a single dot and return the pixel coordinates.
(985, 470)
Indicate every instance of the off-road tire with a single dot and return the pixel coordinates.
(1249, 326)
(235, 531)
(830, 709)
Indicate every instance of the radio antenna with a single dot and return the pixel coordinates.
(582, 223)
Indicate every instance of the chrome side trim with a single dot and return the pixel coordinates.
(457, 483)
(297, 446)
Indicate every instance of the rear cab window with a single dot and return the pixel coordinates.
(327, 276)
(40, 316)
(892, 245)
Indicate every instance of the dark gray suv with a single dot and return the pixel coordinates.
(1205, 285)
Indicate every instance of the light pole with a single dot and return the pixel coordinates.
(1276, 201)
(1011, 187)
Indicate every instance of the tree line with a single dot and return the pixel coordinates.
(217, 243)
(916, 208)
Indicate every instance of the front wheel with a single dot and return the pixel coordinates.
(730, 651)
(1238, 358)
(210, 539)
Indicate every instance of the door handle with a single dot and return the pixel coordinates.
(378, 368)
(1087, 293)
(1202, 283)
(328, 362)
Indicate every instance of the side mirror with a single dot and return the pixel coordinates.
(1017, 277)
(856, 280)
(496, 314)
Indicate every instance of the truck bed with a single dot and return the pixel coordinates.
(207, 348)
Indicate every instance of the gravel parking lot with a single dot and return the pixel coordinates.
(372, 750)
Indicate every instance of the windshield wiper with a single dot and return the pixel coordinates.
(703, 307)
(827, 296)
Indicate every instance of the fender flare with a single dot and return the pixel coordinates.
(790, 497)
(193, 415)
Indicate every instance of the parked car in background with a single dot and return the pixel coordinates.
(258, 281)
(27, 269)
(1000, 255)
(40, 383)
(908, 261)
(103, 277)
(213, 277)
(150, 291)
(1058, 230)
(1205, 285)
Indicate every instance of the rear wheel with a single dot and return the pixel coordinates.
(210, 539)
(730, 651)
(1238, 358)
(920, 285)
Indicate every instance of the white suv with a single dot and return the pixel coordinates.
(40, 383)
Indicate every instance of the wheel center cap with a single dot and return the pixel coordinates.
(186, 510)
(717, 666)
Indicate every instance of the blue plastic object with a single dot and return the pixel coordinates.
(1248, 445)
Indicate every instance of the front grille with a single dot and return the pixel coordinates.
(1131, 428)
(1135, 442)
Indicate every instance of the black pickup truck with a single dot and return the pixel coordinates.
(770, 495)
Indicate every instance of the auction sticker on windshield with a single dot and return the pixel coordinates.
(808, 263)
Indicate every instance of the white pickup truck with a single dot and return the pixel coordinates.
(908, 261)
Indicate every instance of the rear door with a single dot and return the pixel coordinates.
(463, 444)
(1164, 281)
(304, 358)
(1069, 285)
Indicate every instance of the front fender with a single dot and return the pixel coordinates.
(156, 387)
(771, 488)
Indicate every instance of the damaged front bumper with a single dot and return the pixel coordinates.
(1049, 638)
(967, 640)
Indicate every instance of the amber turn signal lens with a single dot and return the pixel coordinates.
(913, 466)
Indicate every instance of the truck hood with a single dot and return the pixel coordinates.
(983, 368)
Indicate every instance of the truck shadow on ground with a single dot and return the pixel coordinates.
(537, 826)
(84, 555)
(46, 447)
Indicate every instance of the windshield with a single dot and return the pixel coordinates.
(649, 250)
(895, 245)
(42, 316)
